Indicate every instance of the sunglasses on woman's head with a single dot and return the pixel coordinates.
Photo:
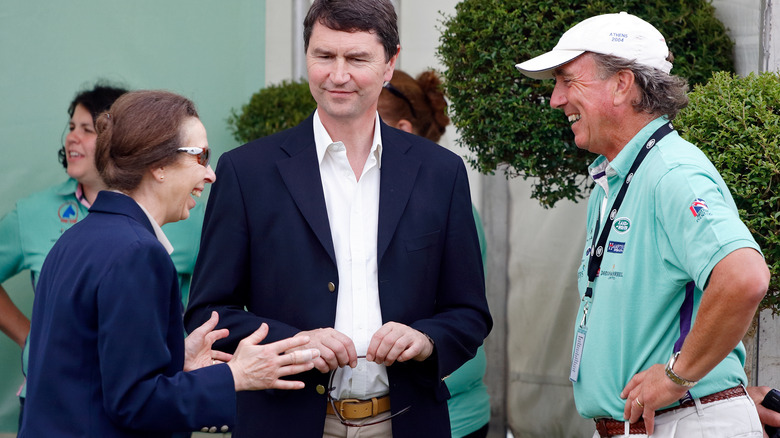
(397, 93)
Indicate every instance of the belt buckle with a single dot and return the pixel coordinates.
(351, 401)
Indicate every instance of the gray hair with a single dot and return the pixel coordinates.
(661, 93)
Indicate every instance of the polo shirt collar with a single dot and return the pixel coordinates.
(625, 158)
(68, 187)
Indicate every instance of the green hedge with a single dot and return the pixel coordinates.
(505, 118)
(272, 109)
(736, 123)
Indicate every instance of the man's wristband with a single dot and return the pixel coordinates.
(674, 377)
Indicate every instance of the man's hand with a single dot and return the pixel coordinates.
(647, 392)
(336, 348)
(398, 342)
(767, 416)
(737, 284)
(197, 346)
(257, 367)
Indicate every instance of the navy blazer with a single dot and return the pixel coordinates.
(267, 256)
(107, 339)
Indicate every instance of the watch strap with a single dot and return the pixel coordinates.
(674, 377)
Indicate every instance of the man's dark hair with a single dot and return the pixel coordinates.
(375, 16)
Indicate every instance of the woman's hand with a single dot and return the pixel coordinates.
(257, 367)
(197, 346)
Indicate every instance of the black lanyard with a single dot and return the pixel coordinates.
(597, 247)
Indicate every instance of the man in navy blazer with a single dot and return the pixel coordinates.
(353, 233)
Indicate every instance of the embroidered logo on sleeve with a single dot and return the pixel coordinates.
(699, 208)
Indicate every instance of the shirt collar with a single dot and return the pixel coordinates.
(71, 186)
(68, 187)
(323, 141)
(81, 197)
(158, 232)
(625, 158)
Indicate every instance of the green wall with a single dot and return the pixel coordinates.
(210, 51)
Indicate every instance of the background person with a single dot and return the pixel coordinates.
(768, 417)
(671, 284)
(418, 106)
(354, 234)
(107, 355)
(28, 232)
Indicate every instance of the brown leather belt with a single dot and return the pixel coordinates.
(608, 427)
(354, 409)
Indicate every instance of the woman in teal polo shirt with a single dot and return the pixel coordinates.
(28, 232)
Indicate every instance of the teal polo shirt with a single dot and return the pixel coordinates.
(677, 221)
(28, 232)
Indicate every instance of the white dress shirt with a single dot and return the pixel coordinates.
(353, 215)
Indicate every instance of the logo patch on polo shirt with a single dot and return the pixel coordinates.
(622, 224)
(699, 207)
(616, 247)
(68, 212)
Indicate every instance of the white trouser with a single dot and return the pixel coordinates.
(734, 417)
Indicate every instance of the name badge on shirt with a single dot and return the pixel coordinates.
(579, 343)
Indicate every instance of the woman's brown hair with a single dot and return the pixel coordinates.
(421, 102)
(139, 132)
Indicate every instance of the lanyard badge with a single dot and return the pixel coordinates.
(579, 337)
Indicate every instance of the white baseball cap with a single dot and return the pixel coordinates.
(623, 35)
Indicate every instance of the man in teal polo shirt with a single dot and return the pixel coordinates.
(670, 277)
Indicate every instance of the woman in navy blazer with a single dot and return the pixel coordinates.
(107, 353)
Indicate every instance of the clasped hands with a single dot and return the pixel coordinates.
(254, 367)
(393, 342)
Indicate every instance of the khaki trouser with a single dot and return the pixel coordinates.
(334, 428)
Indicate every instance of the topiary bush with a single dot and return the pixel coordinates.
(272, 109)
(505, 118)
(736, 123)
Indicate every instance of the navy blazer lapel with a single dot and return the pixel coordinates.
(119, 203)
(301, 174)
(398, 174)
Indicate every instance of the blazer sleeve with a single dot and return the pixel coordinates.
(141, 350)
(461, 319)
